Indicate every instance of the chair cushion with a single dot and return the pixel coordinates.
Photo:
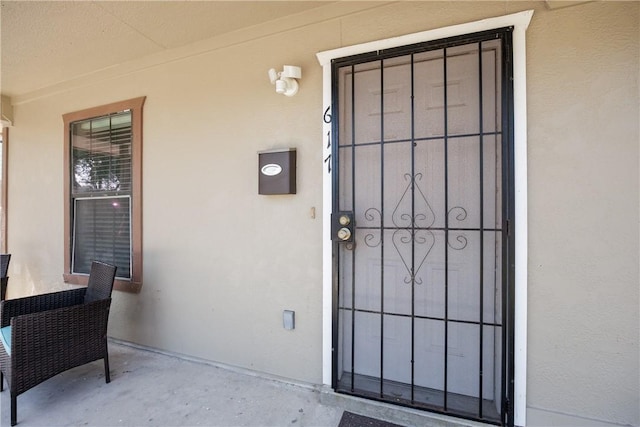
(5, 338)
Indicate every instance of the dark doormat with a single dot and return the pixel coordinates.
(350, 419)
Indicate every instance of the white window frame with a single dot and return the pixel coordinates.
(520, 22)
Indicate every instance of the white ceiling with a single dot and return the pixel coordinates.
(44, 43)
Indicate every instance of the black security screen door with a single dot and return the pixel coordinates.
(423, 292)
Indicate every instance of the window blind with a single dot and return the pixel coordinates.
(102, 231)
(101, 192)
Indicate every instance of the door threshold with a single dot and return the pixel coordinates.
(392, 413)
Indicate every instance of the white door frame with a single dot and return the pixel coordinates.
(520, 22)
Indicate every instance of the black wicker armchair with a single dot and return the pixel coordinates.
(4, 279)
(54, 332)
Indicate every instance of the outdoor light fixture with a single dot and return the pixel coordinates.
(286, 80)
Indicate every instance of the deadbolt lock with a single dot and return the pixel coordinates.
(342, 226)
(344, 220)
(344, 234)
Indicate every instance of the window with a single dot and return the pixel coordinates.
(103, 174)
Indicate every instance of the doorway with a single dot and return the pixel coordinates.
(423, 288)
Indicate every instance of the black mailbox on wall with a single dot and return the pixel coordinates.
(277, 171)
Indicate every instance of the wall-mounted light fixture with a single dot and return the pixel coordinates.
(285, 80)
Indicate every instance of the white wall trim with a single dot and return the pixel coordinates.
(520, 22)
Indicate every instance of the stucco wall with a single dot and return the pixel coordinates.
(583, 211)
(222, 262)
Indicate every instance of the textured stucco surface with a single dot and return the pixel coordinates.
(222, 262)
(583, 211)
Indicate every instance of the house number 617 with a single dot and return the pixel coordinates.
(327, 119)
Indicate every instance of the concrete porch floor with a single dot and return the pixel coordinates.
(153, 389)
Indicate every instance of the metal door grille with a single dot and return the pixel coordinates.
(423, 295)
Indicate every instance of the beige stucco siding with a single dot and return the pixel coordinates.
(221, 262)
(583, 211)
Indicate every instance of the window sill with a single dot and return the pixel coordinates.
(118, 284)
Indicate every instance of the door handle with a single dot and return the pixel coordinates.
(342, 226)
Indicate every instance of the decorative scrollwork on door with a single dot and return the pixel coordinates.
(413, 221)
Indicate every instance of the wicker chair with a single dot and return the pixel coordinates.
(54, 332)
(4, 279)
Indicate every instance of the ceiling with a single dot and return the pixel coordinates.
(44, 43)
